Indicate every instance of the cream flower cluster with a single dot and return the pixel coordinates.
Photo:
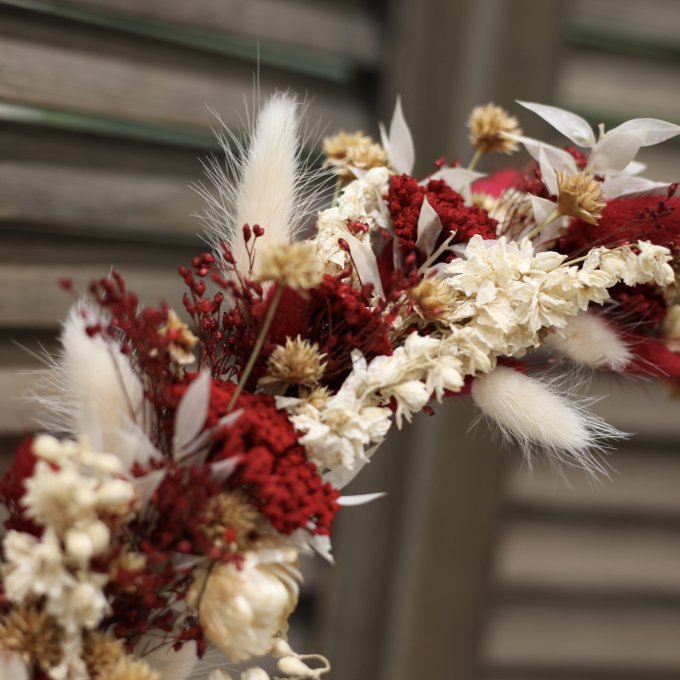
(503, 294)
(70, 489)
(361, 201)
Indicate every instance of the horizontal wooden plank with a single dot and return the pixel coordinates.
(600, 83)
(643, 483)
(638, 638)
(16, 412)
(137, 88)
(655, 20)
(99, 201)
(30, 297)
(588, 558)
(307, 25)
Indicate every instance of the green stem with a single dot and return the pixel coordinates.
(540, 227)
(475, 159)
(276, 298)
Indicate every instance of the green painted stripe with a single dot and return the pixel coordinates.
(113, 127)
(605, 38)
(305, 62)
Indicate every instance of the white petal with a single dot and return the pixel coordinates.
(558, 158)
(634, 168)
(401, 151)
(191, 413)
(360, 499)
(223, 469)
(625, 184)
(614, 151)
(429, 228)
(366, 263)
(652, 130)
(146, 486)
(547, 172)
(542, 208)
(458, 179)
(569, 124)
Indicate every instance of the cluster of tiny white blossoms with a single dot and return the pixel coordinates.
(71, 489)
(504, 293)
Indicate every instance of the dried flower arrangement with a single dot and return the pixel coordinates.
(195, 462)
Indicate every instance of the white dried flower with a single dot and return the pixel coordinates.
(243, 609)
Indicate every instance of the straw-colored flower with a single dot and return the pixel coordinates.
(33, 634)
(488, 125)
(243, 608)
(353, 149)
(433, 301)
(181, 340)
(294, 265)
(298, 362)
(580, 195)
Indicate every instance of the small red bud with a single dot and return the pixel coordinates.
(246, 233)
(258, 230)
(343, 245)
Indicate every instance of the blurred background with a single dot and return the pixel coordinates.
(473, 567)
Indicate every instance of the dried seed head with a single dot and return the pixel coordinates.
(229, 513)
(355, 149)
(181, 340)
(580, 195)
(101, 653)
(488, 124)
(34, 635)
(433, 301)
(298, 362)
(294, 265)
(129, 668)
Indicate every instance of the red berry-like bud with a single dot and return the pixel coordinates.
(258, 230)
(343, 245)
(246, 233)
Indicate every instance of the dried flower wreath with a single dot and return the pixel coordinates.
(196, 461)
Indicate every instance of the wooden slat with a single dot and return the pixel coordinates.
(553, 636)
(642, 483)
(140, 89)
(30, 298)
(16, 413)
(321, 26)
(600, 83)
(98, 201)
(589, 558)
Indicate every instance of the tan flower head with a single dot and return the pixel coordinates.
(101, 653)
(182, 340)
(229, 510)
(488, 124)
(355, 149)
(580, 195)
(433, 300)
(34, 635)
(297, 362)
(290, 264)
(129, 668)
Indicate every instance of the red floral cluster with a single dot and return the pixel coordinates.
(274, 470)
(405, 199)
(12, 488)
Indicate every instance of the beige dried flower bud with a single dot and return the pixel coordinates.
(34, 635)
(488, 125)
(297, 362)
(580, 195)
(229, 510)
(243, 609)
(129, 668)
(433, 301)
(182, 340)
(355, 149)
(292, 264)
(101, 652)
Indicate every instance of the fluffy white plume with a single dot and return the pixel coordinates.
(265, 183)
(535, 414)
(93, 390)
(590, 341)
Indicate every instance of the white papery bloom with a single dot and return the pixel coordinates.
(612, 154)
(362, 201)
(243, 608)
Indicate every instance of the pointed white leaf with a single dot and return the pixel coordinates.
(146, 486)
(558, 158)
(614, 151)
(322, 545)
(542, 208)
(204, 437)
(366, 263)
(458, 179)
(548, 174)
(191, 413)
(634, 168)
(625, 184)
(132, 445)
(360, 499)
(384, 138)
(651, 130)
(569, 124)
(429, 228)
(223, 469)
(401, 151)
